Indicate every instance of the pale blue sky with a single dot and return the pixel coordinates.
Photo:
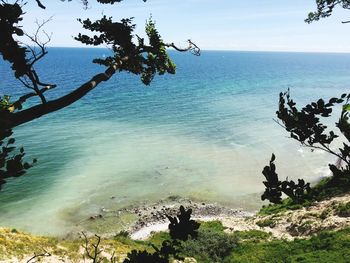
(269, 25)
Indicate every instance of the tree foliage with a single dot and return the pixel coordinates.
(305, 125)
(10, 49)
(145, 57)
(274, 187)
(325, 9)
(180, 228)
(140, 58)
(11, 161)
(86, 2)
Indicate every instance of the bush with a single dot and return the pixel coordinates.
(266, 223)
(323, 248)
(211, 246)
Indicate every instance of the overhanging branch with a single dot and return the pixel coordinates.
(37, 111)
(192, 47)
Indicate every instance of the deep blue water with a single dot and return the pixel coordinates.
(204, 133)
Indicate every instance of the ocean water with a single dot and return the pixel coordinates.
(205, 133)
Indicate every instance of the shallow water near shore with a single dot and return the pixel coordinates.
(204, 133)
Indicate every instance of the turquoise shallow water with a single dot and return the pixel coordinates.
(204, 133)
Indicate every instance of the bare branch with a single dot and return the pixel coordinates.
(36, 56)
(37, 111)
(40, 4)
(113, 258)
(48, 86)
(46, 254)
(323, 147)
(25, 97)
(35, 38)
(25, 83)
(280, 124)
(192, 47)
(94, 255)
(34, 80)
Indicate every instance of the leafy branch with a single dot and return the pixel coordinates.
(274, 187)
(306, 127)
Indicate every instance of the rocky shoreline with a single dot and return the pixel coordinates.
(301, 223)
(331, 214)
(148, 218)
(152, 218)
(146, 214)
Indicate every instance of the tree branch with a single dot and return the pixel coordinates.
(96, 251)
(192, 47)
(36, 56)
(147, 68)
(40, 4)
(37, 111)
(37, 41)
(323, 147)
(46, 254)
(25, 97)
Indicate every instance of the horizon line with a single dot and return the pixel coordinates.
(230, 50)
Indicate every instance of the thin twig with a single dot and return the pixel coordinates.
(96, 251)
(46, 254)
(192, 47)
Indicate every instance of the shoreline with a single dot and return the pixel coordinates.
(152, 218)
(301, 223)
(149, 218)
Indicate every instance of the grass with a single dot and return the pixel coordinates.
(252, 236)
(215, 246)
(325, 247)
(266, 223)
(14, 243)
(325, 213)
(212, 246)
(343, 210)
(286, 205)
(330, 187)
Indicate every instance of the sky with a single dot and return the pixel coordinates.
(251, 25)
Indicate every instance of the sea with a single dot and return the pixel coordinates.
(204, 133)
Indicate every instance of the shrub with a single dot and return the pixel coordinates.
(210, 246)
(266, 223)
